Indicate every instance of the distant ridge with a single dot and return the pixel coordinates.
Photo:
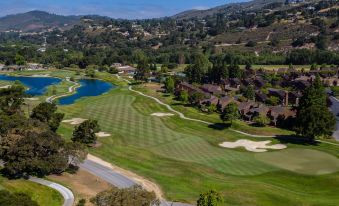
(36, 21)
(227, 8)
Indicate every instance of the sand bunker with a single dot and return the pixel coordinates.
(74, 121)
(102, 134)
(40, 75)
(159, 114)
(32, 99)
(5, 87)
(252, 146)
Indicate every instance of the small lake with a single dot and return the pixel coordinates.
(36, 85)
(89, 87)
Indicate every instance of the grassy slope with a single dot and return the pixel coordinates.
(39, 193)
(182, 157)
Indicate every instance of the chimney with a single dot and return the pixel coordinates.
(286, 99)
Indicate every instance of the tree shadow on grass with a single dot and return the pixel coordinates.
(294, 139)
(220, 126)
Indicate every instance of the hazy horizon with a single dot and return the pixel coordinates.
(128, 9)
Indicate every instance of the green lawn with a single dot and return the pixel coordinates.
(184, 158)
(43, 195)
(5, 83)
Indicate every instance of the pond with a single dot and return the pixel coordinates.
(36, 85)
(89, 87)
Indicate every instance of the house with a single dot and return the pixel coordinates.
(281, 94)
(184, 86)
(261, 97)
(212, 89)
(294, 97)
(126, 70)
(244, 109)
(224, 101)
(213, 100)
(259, 82)
(116, 65)
(301, 84)
(231, 84)
(260, 110)
(278, 113)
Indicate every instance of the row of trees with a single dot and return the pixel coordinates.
(137, 196)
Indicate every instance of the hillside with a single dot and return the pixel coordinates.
(36, 21)
(226, 9)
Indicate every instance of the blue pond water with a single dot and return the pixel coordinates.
(37, 85)
(89, 87)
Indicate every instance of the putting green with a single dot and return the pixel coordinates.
(303, 161)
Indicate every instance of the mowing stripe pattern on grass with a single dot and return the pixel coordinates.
(116, 115)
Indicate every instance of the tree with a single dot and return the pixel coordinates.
(169, 85)
(251, 44)
(230, 113)
(136, 196)
(46, 112)
(33, 149)
(19, 60)
(16, 199)
(11, 99)
(195, 98)
(249, 92)
(183, 96)
(143, 71)
(313, 117)
(261, 120)
(196, 72)
(85, 132)
(210, 198)
(90, 72)
(273, 101)
(234, 71)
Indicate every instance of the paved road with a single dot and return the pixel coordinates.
(335, 111)
(65, 192)
(115, 178)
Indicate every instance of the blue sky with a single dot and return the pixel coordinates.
(130, 9)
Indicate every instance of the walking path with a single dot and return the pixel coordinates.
(71, 90)
(65, 192)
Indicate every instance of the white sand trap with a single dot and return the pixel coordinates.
(102, 134)
(32, 99)
(74, 121)
(159, 114)
(252, 146)
(5, 87)
(40, 75)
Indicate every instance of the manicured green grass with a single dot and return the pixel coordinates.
(184, 157)
(43, 195)
(309, 162)
(5, 83)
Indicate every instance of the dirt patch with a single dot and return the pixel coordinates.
(159, 114)
(146, 184)
(253, 146)
(83, 184)
(102, 134)
(74, 121)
